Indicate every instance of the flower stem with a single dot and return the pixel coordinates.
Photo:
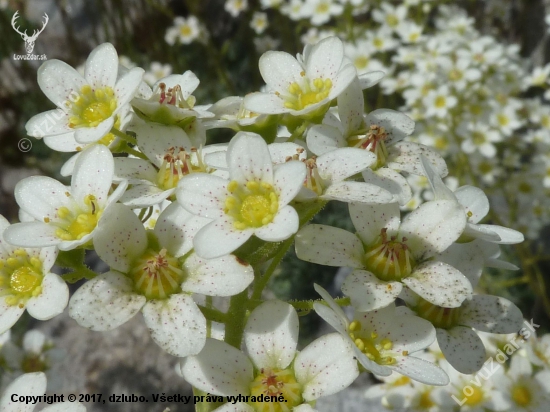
(126, 137)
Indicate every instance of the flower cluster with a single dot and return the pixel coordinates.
(179, 221)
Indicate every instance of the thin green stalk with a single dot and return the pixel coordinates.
(126, 137)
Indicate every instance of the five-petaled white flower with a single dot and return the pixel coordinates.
(153, 272)
(27, 283)
(273, 367)
(253, 202)
(303, 87)
(66, 217)
(87, 106)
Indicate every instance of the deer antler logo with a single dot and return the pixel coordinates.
(29, 40)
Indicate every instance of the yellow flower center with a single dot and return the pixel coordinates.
(392, 20)
(361, 62)
(157, 275)
(252, 205)
(376, 349)
(311, 92)
(521, 395)
(476, 397)
(276, 382)
(92, 106)
(322, 8)
(185, 30)
(75, 224)
(176, 164)
(20, 277)
(440, 102)
(426, 400)
(389, 259)
(443, 318)
(374, 140)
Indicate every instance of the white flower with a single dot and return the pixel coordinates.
(304, 87)
(151, 275)
(390, 16)
(384, 339)
(293, 9)
(524, 391)
(438, 102)
(235, 7)
(259, 22)
(32, 385)
(87, 106)
(273, 367)
(66, 217)
(156, 72)
(27, 283)
(321, 11)
(186, 30)
(171, 156)
(253, 202)
(479, 137)
(391, 253)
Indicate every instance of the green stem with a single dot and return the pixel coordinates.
(236, 319)
(126, 137)
(212, 314)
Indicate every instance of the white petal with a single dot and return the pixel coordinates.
(237, 407)
(288, 179)
(368, 293)
(9, 314)
(41, 196)
(330, 246)
(370, 79)
(223, 276)
(29, 384)
(154, 140)
(405, 156)
(468, 258)
(441, 191)
(322, 138)
(398, 125)
(342, 163)
(284, 225)
(53, 124)
(279, 70)
(176, 228)
(145, 195)
(408, 332)
(507, 236)
(491, 314)
(333, 314)
(439, 283)
(370, 219)
(59, 81)
(220, 369)
(462, 348)
(280, 151)
(325, 366)
(421, 370)
(351, 107)
(219, 238)
(93, 175)
(265, 103)
(203, 194)
(102, 66)
(120, 237)
(433, 227)
(248, 159)
(32, 234)
(325, 58)
(52, 300)
(105, 302)
(133, 170)
(87, 135)
(271, 335)
(391, 181)
(5, 247)
(473, 231)
(474, 200)
(176, 324)
(127, 86)
(357, 192)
